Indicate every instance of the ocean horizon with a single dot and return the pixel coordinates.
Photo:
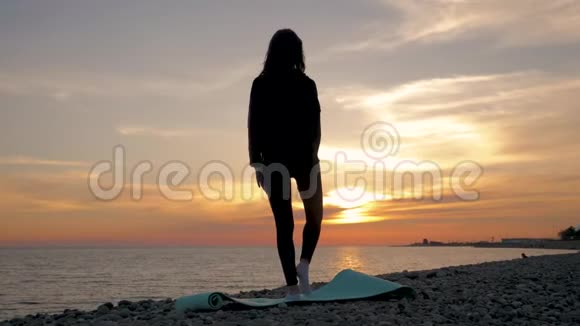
(49, 280)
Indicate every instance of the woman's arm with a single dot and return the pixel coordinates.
(317, 123)
(317, 136)
(254, 141)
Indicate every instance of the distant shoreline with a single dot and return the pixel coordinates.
(552, 244)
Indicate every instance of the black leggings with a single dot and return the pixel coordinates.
(279, 195)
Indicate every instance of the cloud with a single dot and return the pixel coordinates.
(509, 23)
(495, 118)
(22, 160)
(63, 87)
(443, 96)
(156, 132)
(419, 94)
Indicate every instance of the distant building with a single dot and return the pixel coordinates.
(524, 240)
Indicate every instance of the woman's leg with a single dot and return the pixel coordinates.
(310, 187)
(282, 209)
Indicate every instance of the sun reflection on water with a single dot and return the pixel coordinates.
(350, 257)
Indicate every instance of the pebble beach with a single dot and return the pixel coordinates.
(542, 290)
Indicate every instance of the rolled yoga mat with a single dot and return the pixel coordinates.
(346, 285)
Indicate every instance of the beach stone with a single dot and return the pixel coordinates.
(133, 306)
(184, 323)
(412, 276)
(104, 323)
(527, 309)
(253, 314)
(125, 313)
(110, 316)
(260, 322)
(138, 323)
(103, 309)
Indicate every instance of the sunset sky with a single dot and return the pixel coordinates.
(491, 82)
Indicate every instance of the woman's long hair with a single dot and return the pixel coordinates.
(285, 53)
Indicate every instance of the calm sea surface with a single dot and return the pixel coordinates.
(51, 280)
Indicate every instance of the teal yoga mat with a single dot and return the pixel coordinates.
(346, 285)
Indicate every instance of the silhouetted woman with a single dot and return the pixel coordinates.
(284, 136)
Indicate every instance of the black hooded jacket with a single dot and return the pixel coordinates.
(284, 120)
